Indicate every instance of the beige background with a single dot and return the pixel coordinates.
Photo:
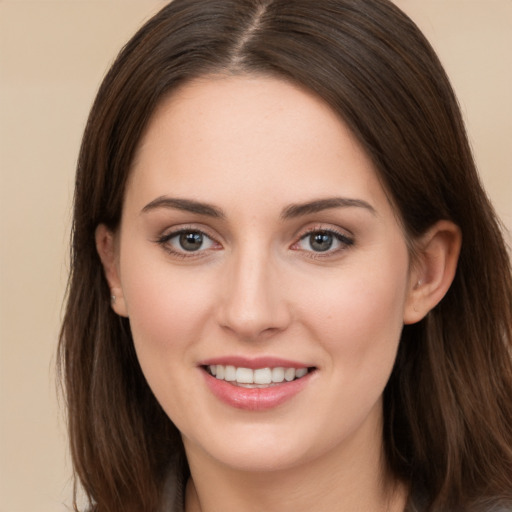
(53, 54)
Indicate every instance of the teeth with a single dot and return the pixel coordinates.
(301, 372)
(277, 374)
(289, 374)
(260, 376)
(244, 375)
(263, 376)
(230, 373)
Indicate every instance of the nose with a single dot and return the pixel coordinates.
(253, 302)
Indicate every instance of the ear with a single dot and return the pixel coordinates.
(432, 272)
(106, 247)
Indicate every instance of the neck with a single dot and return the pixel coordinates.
(346, 478)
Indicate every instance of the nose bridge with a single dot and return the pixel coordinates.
(254, 302)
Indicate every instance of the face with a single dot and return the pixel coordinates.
(264, 273)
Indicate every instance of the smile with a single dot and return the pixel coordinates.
(255, 378)
(256, 385)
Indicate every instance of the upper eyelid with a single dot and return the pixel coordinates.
(323, 227)
(337, 234)
(330, 229)
(177, 230)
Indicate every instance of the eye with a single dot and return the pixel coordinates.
(191, 241)
(187, 241)
(323, 241)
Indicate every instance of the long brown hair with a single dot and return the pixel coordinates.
(448, 404)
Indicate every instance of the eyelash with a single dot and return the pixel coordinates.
(344, 241)
(165, 239)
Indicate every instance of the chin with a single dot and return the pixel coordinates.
(260, 457)
(267, 447)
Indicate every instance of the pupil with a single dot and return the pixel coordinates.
(191, 241)
(321, 242)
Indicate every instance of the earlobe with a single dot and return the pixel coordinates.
(106, 247)
(433, 270)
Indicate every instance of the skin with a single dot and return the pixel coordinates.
(252, 147)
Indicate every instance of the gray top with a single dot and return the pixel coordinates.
(173, 494)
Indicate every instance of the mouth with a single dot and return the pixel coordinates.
(257, 378)
(257, 384)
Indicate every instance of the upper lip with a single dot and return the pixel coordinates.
(254, 363)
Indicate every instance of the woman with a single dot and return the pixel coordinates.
(289, 290)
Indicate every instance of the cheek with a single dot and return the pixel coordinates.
(357, 321)
(357, 316)
(360, 333)
(168, 313)
(167, 307)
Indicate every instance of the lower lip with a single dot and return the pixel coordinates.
(255, 399)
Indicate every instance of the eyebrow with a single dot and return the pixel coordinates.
(290, 212)
(187, 205)
(298, 210)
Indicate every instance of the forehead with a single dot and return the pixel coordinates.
(252, 134)
(218, 108)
